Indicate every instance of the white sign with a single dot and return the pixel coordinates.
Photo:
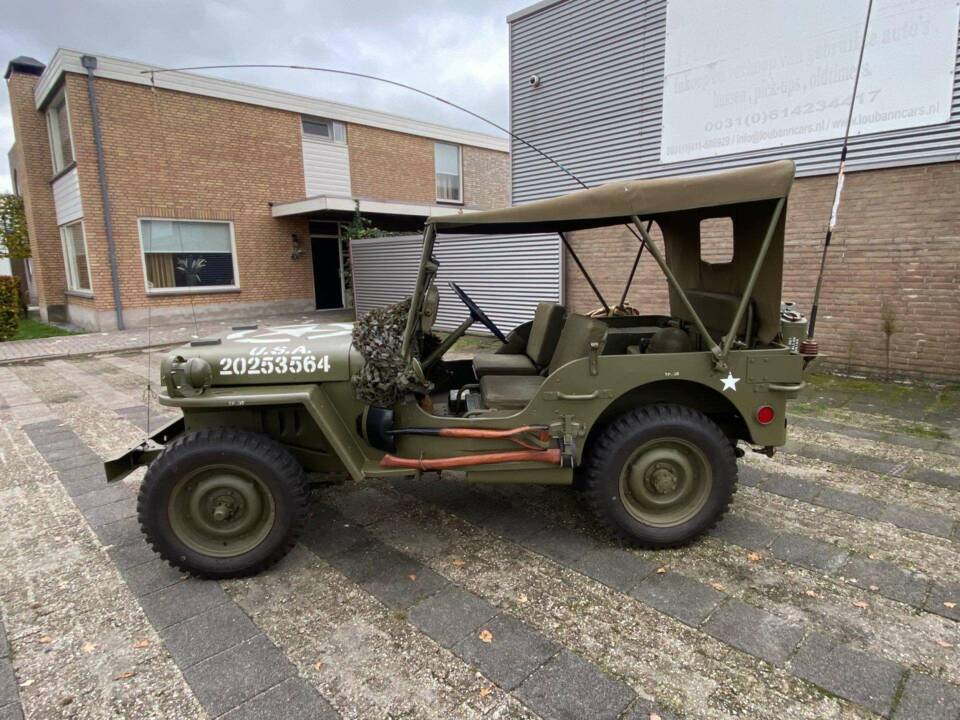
(743, 75)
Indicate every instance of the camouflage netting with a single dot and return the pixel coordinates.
(378, 335)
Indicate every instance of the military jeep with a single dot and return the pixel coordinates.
(644, 413)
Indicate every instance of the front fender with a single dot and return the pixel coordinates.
(145, 453)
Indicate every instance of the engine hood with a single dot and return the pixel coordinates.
(265, 355)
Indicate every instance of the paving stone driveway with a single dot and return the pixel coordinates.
(832, 590)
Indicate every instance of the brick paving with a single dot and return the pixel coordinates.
(831, 590)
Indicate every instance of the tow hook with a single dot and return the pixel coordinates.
(767, 450)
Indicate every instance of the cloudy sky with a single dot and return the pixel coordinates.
(453, 48)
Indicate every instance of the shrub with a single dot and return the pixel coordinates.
(9, 306)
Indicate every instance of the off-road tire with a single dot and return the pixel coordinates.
(615, 445)
(272, 464)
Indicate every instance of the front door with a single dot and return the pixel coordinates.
(326, 272)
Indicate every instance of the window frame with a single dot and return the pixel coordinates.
(331, 123)
(55, 137)
(71, 274)
(436, 185)
(195, 289)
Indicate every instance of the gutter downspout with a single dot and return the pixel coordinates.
(90, 63)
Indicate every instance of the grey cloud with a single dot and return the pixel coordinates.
(457, 50)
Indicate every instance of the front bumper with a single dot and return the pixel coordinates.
(144, 453)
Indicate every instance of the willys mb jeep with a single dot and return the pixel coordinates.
(643, 413)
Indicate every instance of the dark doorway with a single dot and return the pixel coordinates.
(326, 272)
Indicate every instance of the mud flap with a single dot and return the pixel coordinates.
(144, 453)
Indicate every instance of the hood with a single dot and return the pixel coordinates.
(266, 355)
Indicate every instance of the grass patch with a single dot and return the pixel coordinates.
(815, 407)
(474, 343)
(924, 431)
(29, 329)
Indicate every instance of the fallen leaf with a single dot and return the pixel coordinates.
(141, 644)
(88, 647)
(459, 563)
(861, 604)
(521, 598)
(46, 640)
(950, 605)
(874, 587)
(717, 586)
(654, 716)
(484, 691)
(125, 675)
(413, 577)
(661, 570)
(26, 683)
(486, 636)
(318, 665)
(754, 557)
(872, 556)
(811, 593)
(944, 644)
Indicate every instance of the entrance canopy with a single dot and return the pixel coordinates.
(388, 216)
(617, 202)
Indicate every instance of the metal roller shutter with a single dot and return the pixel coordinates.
(506, 275)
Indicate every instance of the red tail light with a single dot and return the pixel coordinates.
(765, 415)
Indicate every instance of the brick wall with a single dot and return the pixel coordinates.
(388, 165)
(897, 246)
(486, 178)
(34, 174)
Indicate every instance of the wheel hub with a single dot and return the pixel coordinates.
(665, 482)
(221, 511)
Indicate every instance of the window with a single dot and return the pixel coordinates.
(716, 240)
(447, 164)
(320, 129)
(75, 257)
(179, 255)
(58, 126)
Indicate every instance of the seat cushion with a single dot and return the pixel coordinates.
(502, 364)
(509, 391)
(544, 333)
(578, 332)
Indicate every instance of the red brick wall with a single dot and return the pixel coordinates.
(897, 245)
(34, 174)
(486, 178)
(175, 155)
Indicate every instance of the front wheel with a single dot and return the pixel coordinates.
(660, 475)
(223, 503)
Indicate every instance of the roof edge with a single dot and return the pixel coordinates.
(532, 10)
(113, 68)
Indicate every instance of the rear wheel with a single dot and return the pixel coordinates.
(660, 476)
(223, 503)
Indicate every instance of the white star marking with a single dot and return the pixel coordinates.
(730, 382)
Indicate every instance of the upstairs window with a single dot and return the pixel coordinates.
(75, 257)
(58, 126)
(321, 129)
(188, 255)
(447, 165)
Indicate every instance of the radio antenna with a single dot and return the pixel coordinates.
(839, 187)
(411, 88)
(365, 76)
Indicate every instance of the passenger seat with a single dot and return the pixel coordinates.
(515, 391)
(544, 332)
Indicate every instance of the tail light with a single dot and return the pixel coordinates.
(765, 415)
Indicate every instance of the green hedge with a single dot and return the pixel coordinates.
(9, 306)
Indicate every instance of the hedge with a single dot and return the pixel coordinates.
(9, 306)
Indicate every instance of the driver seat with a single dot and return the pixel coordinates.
(544, 334)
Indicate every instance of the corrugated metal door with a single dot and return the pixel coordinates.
(506, 275)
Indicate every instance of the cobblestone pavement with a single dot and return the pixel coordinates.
(157, 336)
(832, 590)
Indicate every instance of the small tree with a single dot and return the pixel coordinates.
(14, 241)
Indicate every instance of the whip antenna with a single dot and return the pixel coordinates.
(839, 187)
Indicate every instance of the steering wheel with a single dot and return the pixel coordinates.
(476, 313)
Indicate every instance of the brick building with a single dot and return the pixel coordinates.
(596, 97)
(159, 197)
